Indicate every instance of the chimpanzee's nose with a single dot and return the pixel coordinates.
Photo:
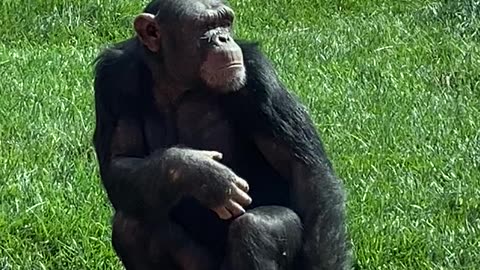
(221, 38)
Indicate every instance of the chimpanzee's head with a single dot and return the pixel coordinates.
(194, 41)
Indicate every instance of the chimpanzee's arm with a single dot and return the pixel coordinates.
(137, 182)
(286, 136)
(147, 184)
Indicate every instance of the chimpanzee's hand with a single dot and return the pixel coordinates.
(217, 186)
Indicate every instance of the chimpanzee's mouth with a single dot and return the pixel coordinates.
(232, 65)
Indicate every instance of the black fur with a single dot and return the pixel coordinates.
(157, 226)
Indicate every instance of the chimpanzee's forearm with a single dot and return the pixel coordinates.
(154, 183)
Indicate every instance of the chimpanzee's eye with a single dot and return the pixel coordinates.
(227, 23)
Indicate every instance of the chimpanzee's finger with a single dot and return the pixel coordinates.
(222, 212)
(242, 184)
(241, 196)
(213, 155)
(234, 208)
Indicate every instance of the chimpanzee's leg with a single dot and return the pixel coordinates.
(165, 246)
(265, 238)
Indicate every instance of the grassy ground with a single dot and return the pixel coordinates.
(394, 87)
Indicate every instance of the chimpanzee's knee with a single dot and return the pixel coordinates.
(267, 237)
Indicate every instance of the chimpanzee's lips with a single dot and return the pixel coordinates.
(224, 61)
(232, 65)
(227, 59)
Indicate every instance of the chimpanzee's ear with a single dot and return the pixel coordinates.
(148, 31)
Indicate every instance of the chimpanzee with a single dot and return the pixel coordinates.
(207, 159)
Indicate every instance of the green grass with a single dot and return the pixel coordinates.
(394, 87)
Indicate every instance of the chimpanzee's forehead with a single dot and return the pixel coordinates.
(200, 7)
(185, 10)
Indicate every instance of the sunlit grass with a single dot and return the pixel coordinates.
(394, 87)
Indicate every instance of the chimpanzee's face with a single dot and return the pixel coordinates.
(196, 44)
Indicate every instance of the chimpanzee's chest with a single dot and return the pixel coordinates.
(202, 124)
(196, 120)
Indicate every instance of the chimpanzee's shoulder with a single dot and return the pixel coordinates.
(122, 78)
